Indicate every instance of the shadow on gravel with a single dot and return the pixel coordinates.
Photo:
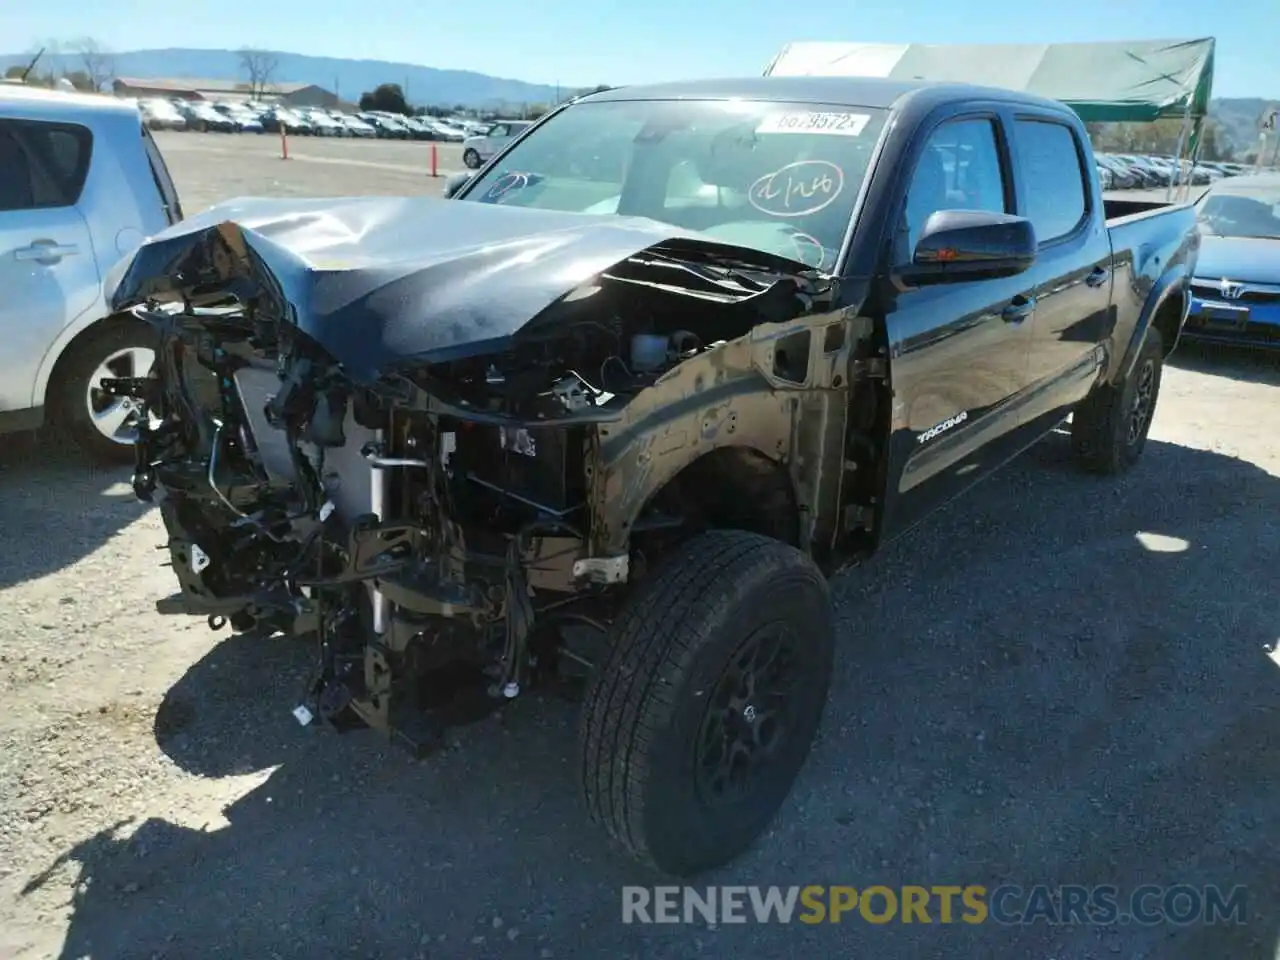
(55, 507)
(1250, 366)
(1062, 680)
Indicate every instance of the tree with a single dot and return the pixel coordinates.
(534, 110)
(259, 68)
(587, 91)
(15, 72)
(1160, 137)
(96, 62)
(80, 80)
(386, 97)
(1214, 144)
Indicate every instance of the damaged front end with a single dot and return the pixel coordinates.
(429, 449)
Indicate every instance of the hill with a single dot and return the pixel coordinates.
(347, 78)
(1238, 118)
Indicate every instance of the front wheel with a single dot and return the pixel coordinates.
(704, 709)
(471, 159)
(101, 425)
(1109, 429)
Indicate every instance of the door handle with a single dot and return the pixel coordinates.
(45, 250)
(1017, 311)
(1097, 277)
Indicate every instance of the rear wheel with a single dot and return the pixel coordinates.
(1109, 429)
(102, 426)
(471, 158)
(704, 709)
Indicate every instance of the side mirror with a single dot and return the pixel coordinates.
(960, 245)
(455, 183)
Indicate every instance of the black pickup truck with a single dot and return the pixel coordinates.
(616, 408)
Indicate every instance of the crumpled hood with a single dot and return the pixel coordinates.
(381, 281)
(1242, 259)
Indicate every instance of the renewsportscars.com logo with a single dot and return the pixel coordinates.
(1181, 904)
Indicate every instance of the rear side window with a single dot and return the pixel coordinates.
(1053, 178)
(45, 164)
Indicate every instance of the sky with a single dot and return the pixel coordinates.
(614, 42)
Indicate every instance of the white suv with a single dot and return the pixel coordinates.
(83, 184)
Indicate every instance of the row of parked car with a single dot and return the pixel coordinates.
(254, 117)
(1136, 172)
(1117, 171)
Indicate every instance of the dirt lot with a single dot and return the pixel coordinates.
(213, 167)
(1058, 680)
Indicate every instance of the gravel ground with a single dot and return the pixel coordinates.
(212, 167)
(1058, 680)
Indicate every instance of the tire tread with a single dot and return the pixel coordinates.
(1097, 424)
(631, 693)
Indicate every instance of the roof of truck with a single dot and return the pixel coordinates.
(875, 92)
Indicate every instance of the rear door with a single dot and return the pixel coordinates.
(1072, 271)
(48, 271)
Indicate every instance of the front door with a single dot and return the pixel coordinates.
(48, 274)
(495, 140)
(958, 351)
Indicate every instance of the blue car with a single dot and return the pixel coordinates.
(1236, 288)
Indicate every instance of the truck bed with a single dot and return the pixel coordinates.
(1120, 209)
(1117, 209)
(1153, 243)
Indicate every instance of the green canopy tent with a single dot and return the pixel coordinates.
(1142, 81)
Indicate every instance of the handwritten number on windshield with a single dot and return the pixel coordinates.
(508, 183)
(798, 189)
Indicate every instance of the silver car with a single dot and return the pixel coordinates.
(83, 185)
(477, 150)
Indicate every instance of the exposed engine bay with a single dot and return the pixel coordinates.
(451, 501)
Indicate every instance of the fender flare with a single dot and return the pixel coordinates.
(1173, 283)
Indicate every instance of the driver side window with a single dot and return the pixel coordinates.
(959, 169)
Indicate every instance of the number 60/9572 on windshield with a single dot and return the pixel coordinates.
(834, 123)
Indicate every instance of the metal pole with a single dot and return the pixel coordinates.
(1266, 125)
(1197, 134)
(1176, 180)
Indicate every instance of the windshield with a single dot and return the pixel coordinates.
(777, 177)
(1240, 210)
